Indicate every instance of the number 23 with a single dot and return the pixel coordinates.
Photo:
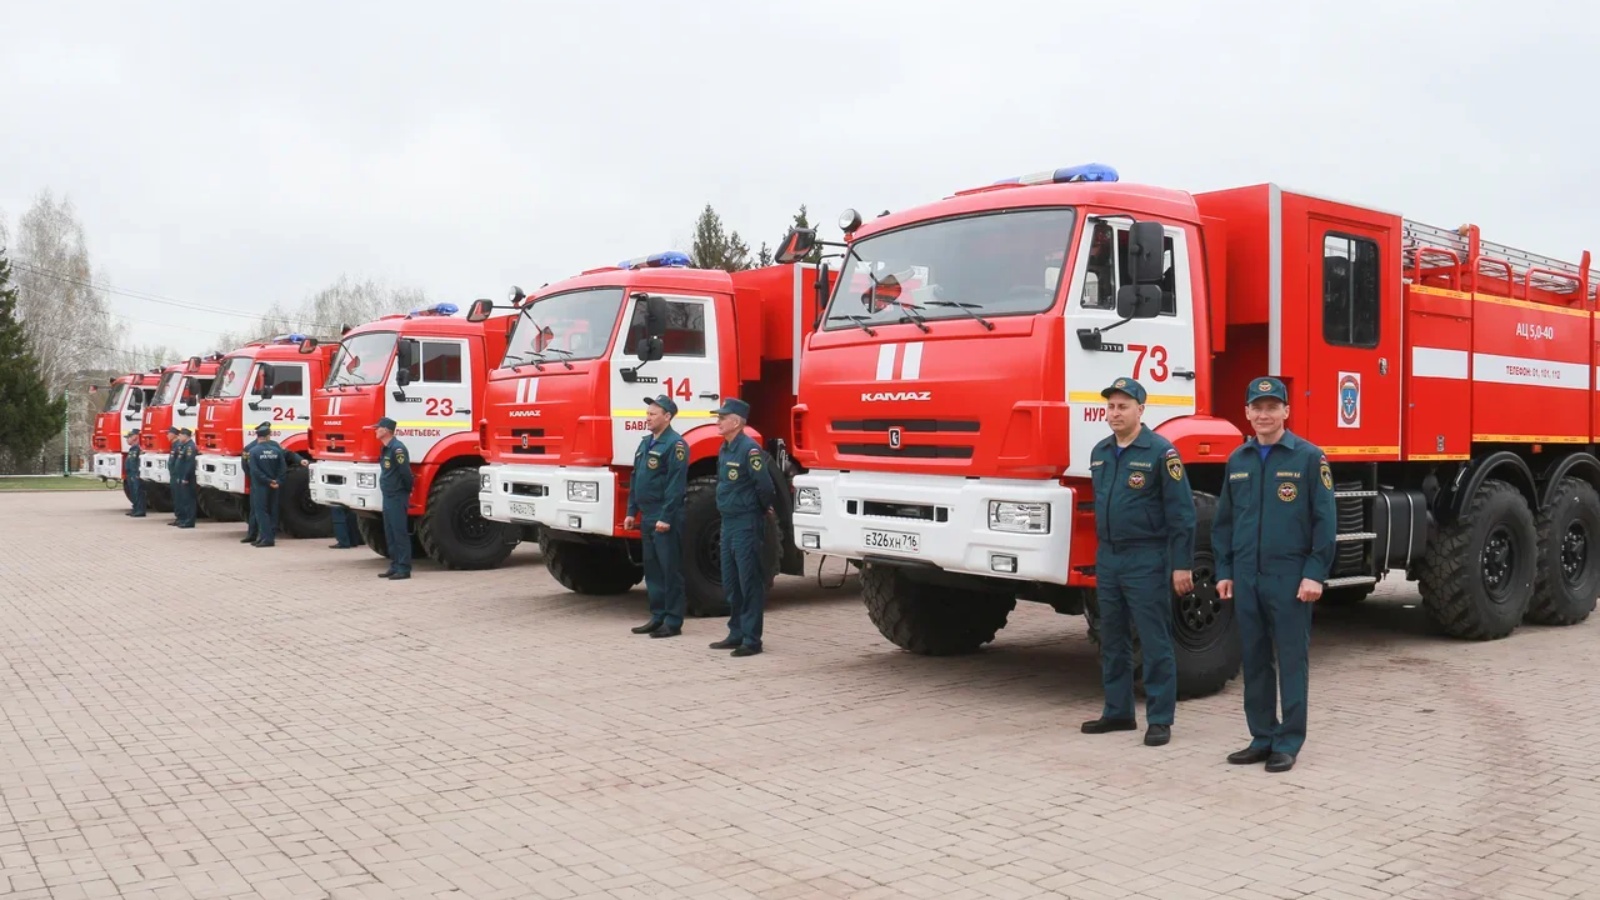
(441, 406)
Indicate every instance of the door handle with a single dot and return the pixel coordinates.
(707, 395)
(1184, 373)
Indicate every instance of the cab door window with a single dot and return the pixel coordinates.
(435, 362)
(1108, 269)
(686, 329)
(1350, 290)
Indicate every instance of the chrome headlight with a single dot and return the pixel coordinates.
(366, 480)
(583, 491)
(808, 500)
(230, 469)
(483, 481)
(1022, 518)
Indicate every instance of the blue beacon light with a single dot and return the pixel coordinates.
(438, 309)
(670, 258)
(1067, 175)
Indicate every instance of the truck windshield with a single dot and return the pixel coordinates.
(362, 359)
(231, 380)
(168, 389)
(114, 398)
(996, 264)
(575, 325)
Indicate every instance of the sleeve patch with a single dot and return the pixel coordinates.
(1174, 466)
(679, 453)
(1327, 475)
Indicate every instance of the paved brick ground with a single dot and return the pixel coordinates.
(184, 716)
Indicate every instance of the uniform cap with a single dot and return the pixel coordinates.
(132, 433)
(264, 428)
(185, 432)
(1266, 386)
(734, 406)
(664, 402)
(172, 429)
(385, 422)
(1127, 386)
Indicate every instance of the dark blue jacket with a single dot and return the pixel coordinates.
(1276, 517)
(1142, 496)
(394, 474)
(744, 486)
(660, 477)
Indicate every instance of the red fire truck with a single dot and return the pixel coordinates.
(176, 403)
(565, 412)
(124, 404)
(951, 397)
(264, 381)
(427, 371)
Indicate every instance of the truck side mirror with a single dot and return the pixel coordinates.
(1139, 301)
(1146, 264)
(797, 245)
(655, 316)
(820, 286)
(479, 310)
(404, 358)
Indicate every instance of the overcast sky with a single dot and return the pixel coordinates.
(233, 156)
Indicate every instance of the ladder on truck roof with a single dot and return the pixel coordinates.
(1451, 253)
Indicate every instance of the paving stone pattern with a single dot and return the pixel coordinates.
(185, 716)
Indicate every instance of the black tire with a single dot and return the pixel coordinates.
(302, 517)
(453, 530)
(1478, 574)
(222, 506)
(1346, 596)
(932, 620)
(157, 496)
(371, 530)
(1568, 577)
(702, 550)
(1205, 633)
(598, 570)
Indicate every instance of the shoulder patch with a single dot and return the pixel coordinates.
(1174, 466)
(755, 458)
(1327, 474)
(400, 458)
(679, 453)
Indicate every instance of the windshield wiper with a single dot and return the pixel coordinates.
(913, 311)
(966, 308)
(859, 321)
(564, 355)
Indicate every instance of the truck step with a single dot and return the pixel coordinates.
(1358, 536)
(1349, 581)
(1342, 494)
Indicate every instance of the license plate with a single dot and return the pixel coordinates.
(522, 509)
(896, 541)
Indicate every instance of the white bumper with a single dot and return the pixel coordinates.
(225, 473)
(540, 494)
(957, 537)
(108, 465)
(348, 484)
(153, 467)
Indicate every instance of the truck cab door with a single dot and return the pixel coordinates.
(289, 406)
(1158, 352)
(1350, 405)
(438, 396)
(688, 371)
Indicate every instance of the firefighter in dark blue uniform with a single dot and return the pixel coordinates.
(182, 472)
(344, 528)
(655, 502)
(130, 476)
(394, 480)
(268, 463)
(1274, 538)
(1145, 523)
(745, 494)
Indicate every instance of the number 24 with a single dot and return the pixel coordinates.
(1158, 360)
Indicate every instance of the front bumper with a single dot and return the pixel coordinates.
(953, 531)
(348, 484)
(108, 465)
(153, 467)
(543, 495)
(225, 473)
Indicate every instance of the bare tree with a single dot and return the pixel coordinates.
(64, 315)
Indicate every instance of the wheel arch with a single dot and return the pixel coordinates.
(1505, 466)
(1581, 465)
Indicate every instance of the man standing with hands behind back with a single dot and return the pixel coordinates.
(1145, 522)
(655, 501)
(1274, 540)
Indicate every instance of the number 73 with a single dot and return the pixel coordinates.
(1157, 355)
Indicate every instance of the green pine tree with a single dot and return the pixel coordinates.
(714, 247)
(28, 416)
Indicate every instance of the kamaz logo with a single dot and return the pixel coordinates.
(523, 413)
(1535, 332)
(890, 396)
